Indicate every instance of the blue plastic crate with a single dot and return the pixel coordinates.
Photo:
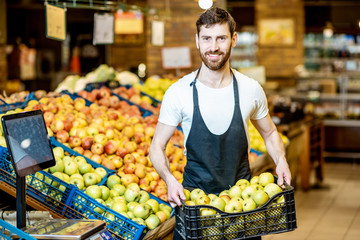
(8, 230)
(42, 186)
(55, 143)
(82, 204)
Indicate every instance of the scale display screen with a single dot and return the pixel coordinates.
(28, 142)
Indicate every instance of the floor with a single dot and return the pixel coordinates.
(329, 211)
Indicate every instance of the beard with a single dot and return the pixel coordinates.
(212, 65)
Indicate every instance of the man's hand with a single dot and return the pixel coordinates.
(175, 192)
(283, 173)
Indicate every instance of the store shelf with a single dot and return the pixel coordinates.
(341, 123)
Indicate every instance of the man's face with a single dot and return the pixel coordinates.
(215, 43)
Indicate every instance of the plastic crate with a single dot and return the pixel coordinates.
(42, 186)
(270, 218)
(8, 231)
(122, 227)
(69, 151)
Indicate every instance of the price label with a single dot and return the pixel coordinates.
(55, 22)
(103, 28)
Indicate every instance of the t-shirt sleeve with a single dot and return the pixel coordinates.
(261, 105)
(170, 111)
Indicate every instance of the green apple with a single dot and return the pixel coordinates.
(110, 216)
(132, 205)
(141, 211)
(266, 178)
(254, 180)
(119, 188)
(195, 193)
(101, 171)
(272, 189)
(207, 212)
(58, 153)
(225, 192)
(258, 186)
(79, 182)
(70, 167)
(119, 207)
(202, 199)
(100, 210)
(90, 179)
(248, 204)
(109, 202)
(132, 195)
(66, 177)
(212, 196)
(130, 214)
(165, 207)
(144, 196)
(152, 221)
(248, 192)
(67, 159)
(85, 168)
(113, 193)
(134, 186)
(235, 191)
(94, 191)
(139, 221)
(112, 180)
(260, 197)
(187, 194)
(120, 199)
(59, 166)
(242, 182)
(218, 202)
(105, 192)
(155, 206)
(79, 160)
(233, 206)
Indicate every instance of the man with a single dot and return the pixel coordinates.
(214, 105)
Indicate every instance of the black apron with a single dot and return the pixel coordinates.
(215, 162)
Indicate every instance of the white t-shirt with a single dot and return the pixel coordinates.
(216, 104)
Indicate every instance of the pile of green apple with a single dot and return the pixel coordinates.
(75, 170)
(130, 201)
(243, 196)
(257, 142)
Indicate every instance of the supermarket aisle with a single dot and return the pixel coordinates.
(331, 212)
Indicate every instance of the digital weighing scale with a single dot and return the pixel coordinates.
(68, 229)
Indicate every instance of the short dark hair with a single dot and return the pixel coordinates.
(213, 16)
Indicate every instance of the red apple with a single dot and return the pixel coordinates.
(87, 142)
(62, 136)
(97, 148)
(74, 141)
(121, 152)
(129, 168)
(48, 117)
(129, 158)
(110, 147)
